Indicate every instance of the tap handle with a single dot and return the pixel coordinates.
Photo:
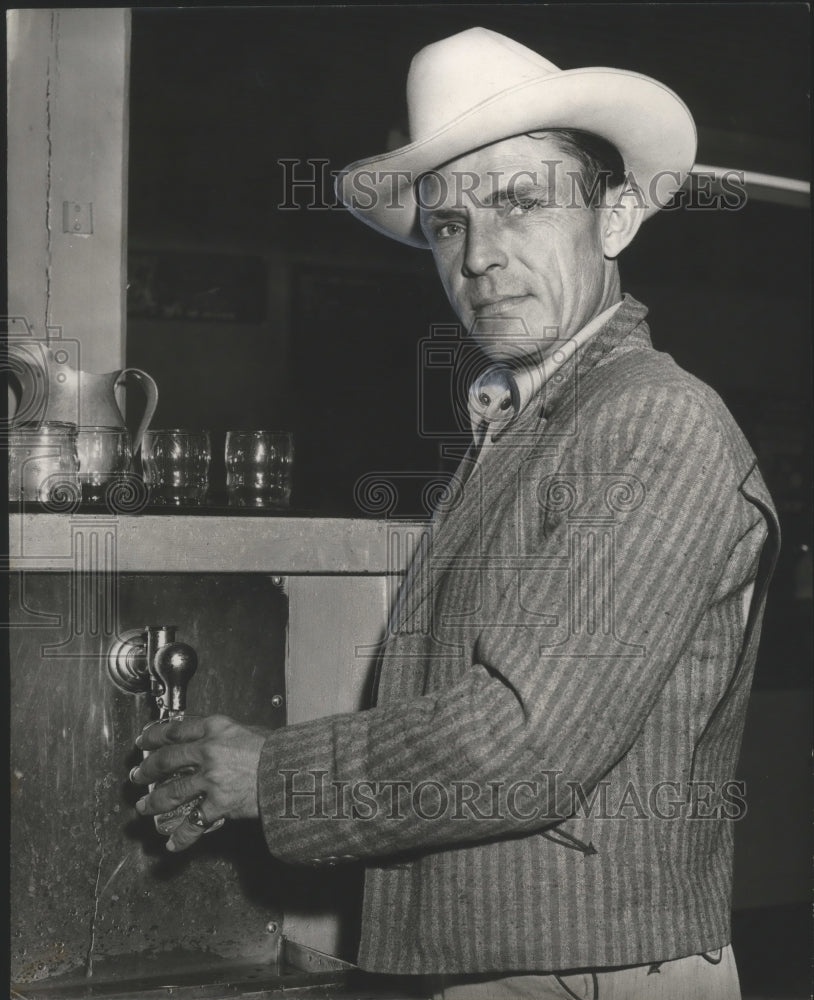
(174, 665)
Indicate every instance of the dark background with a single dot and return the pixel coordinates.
(312, 322)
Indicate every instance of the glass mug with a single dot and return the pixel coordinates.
(176, 465)
(259, 468)
(42, 461)
(104, 455)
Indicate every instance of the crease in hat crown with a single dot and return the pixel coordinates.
(468, 68)
(478, 87)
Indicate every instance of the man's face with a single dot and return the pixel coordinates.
(520, 256)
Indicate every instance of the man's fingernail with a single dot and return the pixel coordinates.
(133, 772)
(171, 845)
(141, 805)
(138, 742)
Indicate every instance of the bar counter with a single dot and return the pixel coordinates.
(286, 613)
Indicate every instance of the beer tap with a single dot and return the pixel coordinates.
(173, 664)
(150, 660)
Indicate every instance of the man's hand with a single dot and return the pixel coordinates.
(218, 760)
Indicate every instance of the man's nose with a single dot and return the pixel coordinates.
(484, 247)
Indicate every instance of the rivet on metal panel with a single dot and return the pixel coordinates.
(277, 701)
(272, 927)
(277, 581)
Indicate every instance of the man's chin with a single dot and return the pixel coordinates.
(514, 338)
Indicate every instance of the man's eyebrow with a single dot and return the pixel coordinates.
(441, 214)
(523, 186)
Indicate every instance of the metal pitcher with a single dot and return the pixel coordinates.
(50, 388)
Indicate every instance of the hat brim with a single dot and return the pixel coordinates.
(650, 126)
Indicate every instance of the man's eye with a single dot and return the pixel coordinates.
(522, 206)
(447, 229)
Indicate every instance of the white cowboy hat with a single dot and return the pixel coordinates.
(478, 87)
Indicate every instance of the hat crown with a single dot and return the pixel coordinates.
(479, 87)
(466, 70)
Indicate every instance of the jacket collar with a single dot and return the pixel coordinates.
(624, 331)
(501, 393)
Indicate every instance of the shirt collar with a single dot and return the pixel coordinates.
(500, 395)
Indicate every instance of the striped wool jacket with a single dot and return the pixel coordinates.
(546, 779)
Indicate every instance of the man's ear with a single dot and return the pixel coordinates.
(620, 221)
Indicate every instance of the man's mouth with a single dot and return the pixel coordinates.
(498, 306)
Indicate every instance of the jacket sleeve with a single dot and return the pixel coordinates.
(571, 699)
